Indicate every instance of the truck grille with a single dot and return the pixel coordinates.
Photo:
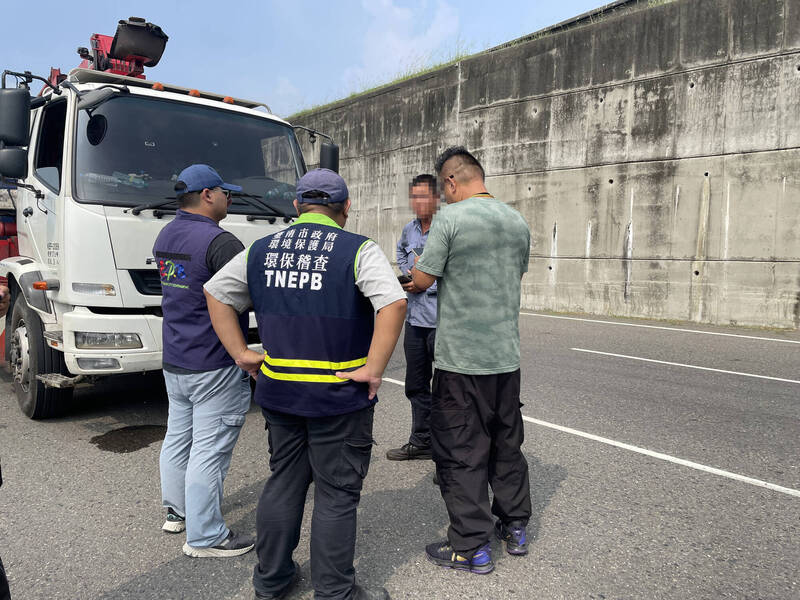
(147, 281)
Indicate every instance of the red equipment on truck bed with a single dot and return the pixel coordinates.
(136, 44)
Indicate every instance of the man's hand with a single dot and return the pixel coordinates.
(363, 375)
(5, 298)
(250, 361)
(411, 288)
(388, 323)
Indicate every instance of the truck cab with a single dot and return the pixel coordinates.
(101, 160)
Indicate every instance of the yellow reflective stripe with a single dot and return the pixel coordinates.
(308, 377)
(314, 364)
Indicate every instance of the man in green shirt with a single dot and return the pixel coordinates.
(477, 250)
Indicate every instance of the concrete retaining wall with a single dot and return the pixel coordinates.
(655, 154)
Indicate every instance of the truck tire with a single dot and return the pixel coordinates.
(31, 356)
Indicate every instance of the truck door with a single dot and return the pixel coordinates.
(38, 232)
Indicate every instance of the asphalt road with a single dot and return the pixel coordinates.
(616, 514)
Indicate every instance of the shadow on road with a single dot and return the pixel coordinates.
(394, 526)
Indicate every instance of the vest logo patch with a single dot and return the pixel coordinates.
(171, 270)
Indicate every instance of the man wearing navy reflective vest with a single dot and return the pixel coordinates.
(315, 289)
(208, 394)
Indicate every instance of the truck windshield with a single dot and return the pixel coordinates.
(130, 149)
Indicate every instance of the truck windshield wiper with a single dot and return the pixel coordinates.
(259, 202)
(148, 205)
(252, 199)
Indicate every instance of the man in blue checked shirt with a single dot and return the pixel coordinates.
(420, 326)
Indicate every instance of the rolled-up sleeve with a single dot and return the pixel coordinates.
(405, 258)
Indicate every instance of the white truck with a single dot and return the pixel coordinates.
(94, 159)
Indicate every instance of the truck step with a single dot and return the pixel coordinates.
(57, 380)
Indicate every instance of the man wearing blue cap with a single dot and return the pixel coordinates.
(315, 290)
(208, 394)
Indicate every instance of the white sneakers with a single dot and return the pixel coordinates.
(174, 523)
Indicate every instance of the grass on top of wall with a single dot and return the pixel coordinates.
(462, 51)
(459, 53)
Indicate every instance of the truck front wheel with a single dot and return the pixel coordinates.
(30, 356)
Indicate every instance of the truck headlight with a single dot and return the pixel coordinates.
(87, 340)
(94, 289)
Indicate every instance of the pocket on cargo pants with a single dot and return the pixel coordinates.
(230, 426)
(353, 464)
(451, 438)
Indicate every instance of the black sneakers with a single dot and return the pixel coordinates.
(409, 452)
(442, 554)
(514, 536)
(233, 545)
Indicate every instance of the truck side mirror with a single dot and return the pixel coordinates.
(15, 119)
(14, 163)
(15, 116)
(329, 156)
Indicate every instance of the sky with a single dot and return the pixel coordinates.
(291, 55)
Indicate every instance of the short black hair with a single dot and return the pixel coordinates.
(330, 209)
(465, 156)
(185, 199)
(189, 200)
(424, 179)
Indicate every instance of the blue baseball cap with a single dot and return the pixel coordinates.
(321, 186)
(196, 178)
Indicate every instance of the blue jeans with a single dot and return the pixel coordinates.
(206, 414)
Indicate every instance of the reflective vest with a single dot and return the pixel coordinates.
(312, 318)
(180, 251)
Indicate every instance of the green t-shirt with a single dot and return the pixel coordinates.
(479, 249)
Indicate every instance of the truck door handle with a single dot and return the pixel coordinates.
(27, 211)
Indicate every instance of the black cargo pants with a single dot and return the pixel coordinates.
(335, 453)
(476, 437)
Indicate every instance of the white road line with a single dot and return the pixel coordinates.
(668, 458)
(736, 335)
(674, 364)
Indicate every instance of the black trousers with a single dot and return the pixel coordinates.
(334, 452)
(476, 435)
(418, 344)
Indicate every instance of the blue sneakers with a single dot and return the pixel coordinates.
(442, 554)
(514, 537)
